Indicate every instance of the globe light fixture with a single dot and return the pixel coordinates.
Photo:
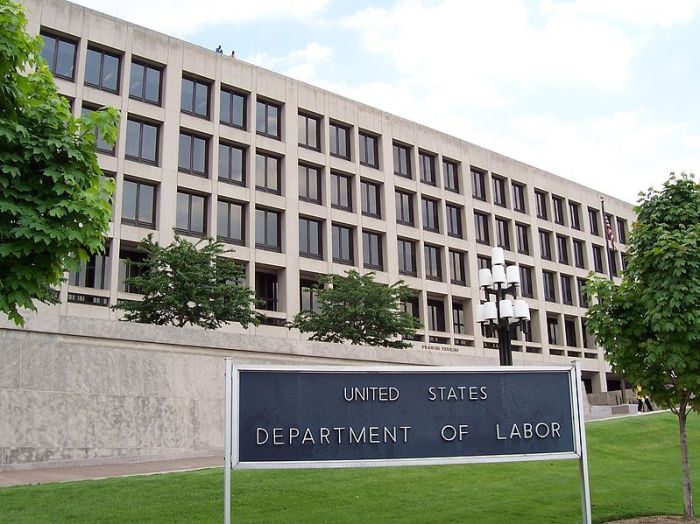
(499, 283)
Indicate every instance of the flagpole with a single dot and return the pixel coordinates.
(607, 224)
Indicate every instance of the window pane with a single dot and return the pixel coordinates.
(92, 67)
(149, 142)
(133, 132)
(312, 133)
(136, 80)
(272, 169)
(183, 203)
(48, 51)
(201, 101)
(199, 155)
(110, 72)
(225, 110)
(259, 226)
(271, 229)
(146, 210)
(260, 118)
(272, 120)
(222, 219)
(224, 161)
(187, 96)
(129, 200)
(197, 219)
(153, 85)
(65, 59)
(184, 152)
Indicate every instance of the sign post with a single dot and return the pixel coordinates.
(283, 417)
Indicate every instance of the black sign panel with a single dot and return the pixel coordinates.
(385, 415)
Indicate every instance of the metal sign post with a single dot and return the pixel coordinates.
(313, 417)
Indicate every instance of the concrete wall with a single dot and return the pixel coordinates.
(76, 389)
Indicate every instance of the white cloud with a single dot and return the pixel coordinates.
(300, 64)
(643, 13)
(183, 17)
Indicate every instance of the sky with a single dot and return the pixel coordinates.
(602, 92)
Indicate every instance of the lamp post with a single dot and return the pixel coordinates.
(500, 282)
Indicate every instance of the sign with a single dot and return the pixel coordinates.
(289, 417)
(337, 417)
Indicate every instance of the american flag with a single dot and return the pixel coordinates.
(610, 233)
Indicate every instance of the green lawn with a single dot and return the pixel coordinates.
(634, 468)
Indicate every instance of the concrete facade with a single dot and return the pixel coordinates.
(95, 391)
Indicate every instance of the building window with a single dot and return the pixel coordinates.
(548, 284)
(191, 214)
(563, 249)
(621, 231)
(579, 259)
(426, 165)
(141, 142)
(411, 307)
(193, 154)
(342, 244)
(575, 215)
(483, 262)
(552, 330)
(309, 184)
(436, 315)
(267, 173)
(341, 191)
(369, 150)
(266, 290)
(558, 206)
(407, 257)
(230, 222)
(129, 268)
(308, 293)
(309, 131)
(613, 264)
(404, 208)
(233, 108)
(145, 82)
(402, 160)
(458, 323)
(372, 250)
(523, 233)
(570, 332)
(93, 273)
(478, 184)
(339, 140)
(582, 300)
(458, 270)
(499, 191)
(59, 53)
(503, 233)
(370, 199)
(454, 221)
(431, 222)
(545, 245)
(450, 172)
(584, 332)
(139, 204)
(519, 197)
(102, 70)
(526, 288)
(310, 244)
(594, 221)
(597, 259)
(232, 163)
(100, 145)
(195, 97)
(481, 223)
(567, 295)
(267, 121)
(541, 201)
(433, 262)
(267, 229)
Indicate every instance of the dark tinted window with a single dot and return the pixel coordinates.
(145, 82)
(102, 70)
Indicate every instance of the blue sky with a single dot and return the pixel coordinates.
(603, 92)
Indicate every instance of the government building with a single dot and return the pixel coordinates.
(301, 182)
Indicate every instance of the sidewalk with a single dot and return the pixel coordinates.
(73, 473)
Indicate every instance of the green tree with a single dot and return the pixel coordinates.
(357, 309)
(54, 207)
(186, 283)
(650, 324)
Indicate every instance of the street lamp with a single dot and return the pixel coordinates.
(499, 282)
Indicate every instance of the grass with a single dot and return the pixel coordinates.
(634, 469)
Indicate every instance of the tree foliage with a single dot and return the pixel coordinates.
(650, 324)
(357, 309)
(54, 207)
(186, 283)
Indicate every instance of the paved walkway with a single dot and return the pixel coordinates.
(73, 473)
